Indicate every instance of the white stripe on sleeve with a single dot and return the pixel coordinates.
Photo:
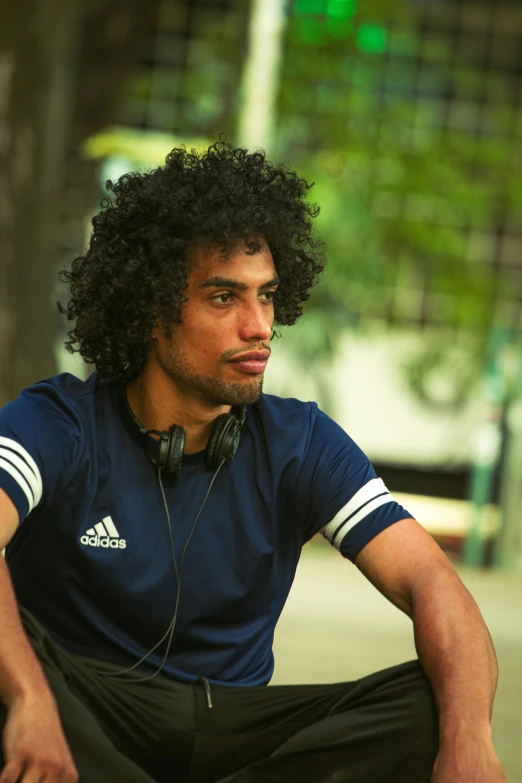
(18, 463)
(370, 490)
(350, 523)
(31, 471)
(22, 483)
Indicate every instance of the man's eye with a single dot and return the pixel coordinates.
(269, 295)
(222, 298)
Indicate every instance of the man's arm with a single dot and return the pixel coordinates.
(20, 671)
(454, 646)
(33, 740)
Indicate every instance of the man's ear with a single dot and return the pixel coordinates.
(158, 330)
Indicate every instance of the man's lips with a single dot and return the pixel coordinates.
(252, 362)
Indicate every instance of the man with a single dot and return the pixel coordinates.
(154, 516)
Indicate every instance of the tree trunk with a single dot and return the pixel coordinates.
(37, 46)
(63, 64)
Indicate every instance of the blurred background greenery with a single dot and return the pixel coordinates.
(408, 118)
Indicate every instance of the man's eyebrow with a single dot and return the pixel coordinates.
(229, 282)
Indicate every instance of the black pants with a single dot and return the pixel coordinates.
(380, 729)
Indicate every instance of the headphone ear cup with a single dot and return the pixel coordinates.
(170, 453)
(223, 441)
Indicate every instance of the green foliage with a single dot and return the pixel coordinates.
(397, 191)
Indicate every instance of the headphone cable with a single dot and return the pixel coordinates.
(170, 630)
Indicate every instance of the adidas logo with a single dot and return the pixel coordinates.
(104, 534)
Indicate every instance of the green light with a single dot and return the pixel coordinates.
(371, 38)
(309, 6)
(341, 9)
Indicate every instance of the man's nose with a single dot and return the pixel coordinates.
(257, 322)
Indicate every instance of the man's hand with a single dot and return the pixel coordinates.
(34, 746)
(472, 761)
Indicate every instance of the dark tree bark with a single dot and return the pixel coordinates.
(62, 67)
(37, 45)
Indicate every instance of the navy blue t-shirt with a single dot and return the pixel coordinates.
(91, 558)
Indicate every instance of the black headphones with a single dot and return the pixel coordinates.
(167, 453)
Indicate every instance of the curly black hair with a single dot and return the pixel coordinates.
(134, 272)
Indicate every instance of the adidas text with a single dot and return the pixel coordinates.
(104, 541)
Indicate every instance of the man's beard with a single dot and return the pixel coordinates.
(217, 391)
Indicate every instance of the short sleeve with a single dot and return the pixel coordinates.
(343, 497)
(40, 441)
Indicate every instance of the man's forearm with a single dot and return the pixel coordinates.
(457, 654)
(20, 672)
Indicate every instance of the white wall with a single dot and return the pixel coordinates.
(372, 402)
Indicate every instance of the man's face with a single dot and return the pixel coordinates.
(220, 349)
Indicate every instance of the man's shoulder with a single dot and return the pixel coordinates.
(63, 390)
(61, 398)
(285, 409)
(43, 435)
(64, 384)
(288, 423)
(291, 412)
(295, 421)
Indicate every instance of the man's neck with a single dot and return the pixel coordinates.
(158, 404)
